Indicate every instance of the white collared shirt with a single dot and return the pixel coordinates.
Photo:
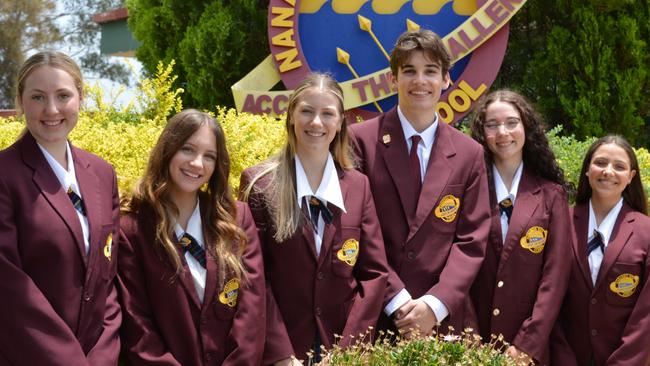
(68, 179)
(329, 191)
(503, 193)
(195, 229)
(605, 229)
(425, 147)
(428, 137)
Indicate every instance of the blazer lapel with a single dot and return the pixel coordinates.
(49, 185)
(526, 203)
(581, 220)
(620, 235)
(396, 158)
(330, 229)
(89, 186)
(211, 291)
(435, 179)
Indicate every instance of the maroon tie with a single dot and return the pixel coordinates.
(414, 162)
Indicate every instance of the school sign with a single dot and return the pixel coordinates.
(351, 39)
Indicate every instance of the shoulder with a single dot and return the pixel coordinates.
(92, 160)
(353, 176)
(458, 138)
(136, 224)
(368, 130)
(244, 216)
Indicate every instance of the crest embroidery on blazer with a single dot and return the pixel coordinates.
(230, 293)
(447, 208)
(349, 252)
(535, 239)
(624, 285)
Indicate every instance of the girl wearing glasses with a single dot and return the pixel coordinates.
(519, 290)
(604, 319)
(190, 269)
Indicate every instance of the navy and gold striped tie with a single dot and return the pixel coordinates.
(77, 202)
(189, 244)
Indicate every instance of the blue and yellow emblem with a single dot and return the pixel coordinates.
(447, 208)
(230, 293)
(535, 239)
(349, 252)
(624, 285)
(108, 247)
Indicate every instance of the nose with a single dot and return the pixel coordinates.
(197, 161)
(50, 106)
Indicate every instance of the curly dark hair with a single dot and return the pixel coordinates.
(633, 194)
(537, 154)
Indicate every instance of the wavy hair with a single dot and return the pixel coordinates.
(421, 40)
(280, 193)
(633, 194)
(536, 154)
(225, 239)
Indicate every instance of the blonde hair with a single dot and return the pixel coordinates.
(225, 239)
(54, 59)
(280, 193)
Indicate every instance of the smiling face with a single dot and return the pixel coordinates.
(609, 172)
(50, 101)
(504, 133)
(193, 164)
(419, 83)
(316, 120)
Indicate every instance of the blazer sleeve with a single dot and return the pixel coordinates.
(32, 332)
(107, 348)
(633, 349)
(249, 326)
(142, 343)
(468, 249)
(277, 344)
(370, 271)
(534, 333)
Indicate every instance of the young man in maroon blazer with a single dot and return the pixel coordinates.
(430, 188)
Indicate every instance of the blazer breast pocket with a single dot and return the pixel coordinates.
(345, 252)
(623, 283)
(446, 211)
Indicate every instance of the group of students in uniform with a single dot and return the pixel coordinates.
(398, 223)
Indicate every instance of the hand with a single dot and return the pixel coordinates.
(519, 356)
(291, 361)
(415, 314)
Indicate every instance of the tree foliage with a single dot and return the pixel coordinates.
(214, 43)
(585, 63)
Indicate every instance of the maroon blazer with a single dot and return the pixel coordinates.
(324, 294)
(164, 323)
(59, 305)
(438, 250)
(518, 291)
(596, 322)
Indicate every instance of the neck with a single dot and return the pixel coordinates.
(420, 121)
(186, 203)
(314, 165)
(58, 152)
(507, 170)
(602, 206)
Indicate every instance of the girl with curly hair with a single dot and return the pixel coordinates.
(518, 291)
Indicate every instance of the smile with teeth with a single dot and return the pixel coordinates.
(191, 175)
(53, 123)
(420, 92)
(315, 134)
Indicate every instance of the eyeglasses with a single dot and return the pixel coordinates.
(509, 124)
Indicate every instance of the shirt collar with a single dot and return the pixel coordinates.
(67, 177)
(329, 190)
(428, 135)
(500, 187)
(194, 226)
(607, 225)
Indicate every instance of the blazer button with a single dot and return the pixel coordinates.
(208, 356)
(496, 312)
(87, 296)
(320, 275)
(410, 256)
(319, 311)
(594, 301)
(500, 284)
(594, 332)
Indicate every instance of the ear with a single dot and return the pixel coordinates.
(446, 80)
(632, 175)
(392, 78)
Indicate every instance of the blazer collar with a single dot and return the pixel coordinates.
(620, 236)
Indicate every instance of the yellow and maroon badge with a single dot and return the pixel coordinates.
(624, 285)
(108, 247)
(230, 293)
(534, 240)
(447, 208)
(349, 252)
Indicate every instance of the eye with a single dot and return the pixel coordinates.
(210, 157)
(621, 167)
(512, 123)
(64, 97)
(491, 126)
(601, 163)
(187, 149)
(37, 97)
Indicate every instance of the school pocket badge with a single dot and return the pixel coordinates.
(447, 208)
(624, 285)
(108, 247)
(230, 293)
(534, 240)
(349, 252)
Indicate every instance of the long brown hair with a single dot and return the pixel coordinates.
(633, 194)
(225, 240)
(280, 193)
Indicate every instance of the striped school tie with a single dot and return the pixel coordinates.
(595, 243)
(316, 208)
(507, 207)
(77, 202)
(189, 244)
